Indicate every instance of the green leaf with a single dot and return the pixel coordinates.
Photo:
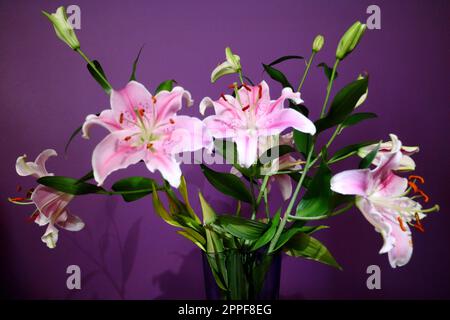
(133, 71)
(343, 104)
(87, 176)
(100, 79)
(69, 185)
(316, 201)
(303, 141)
(227, 183)
(184, 193)
(277, 75)
(303, 245)
(284, 58)
(327, 70)
(72, 136)
(134, 188)
(165, 85)
(349, 151)
(295, 229)
(357, 118)
(270, 232)
(161, 211)
(194, 236)
(241, 227)
(367, 160)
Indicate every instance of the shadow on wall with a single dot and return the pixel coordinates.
(182, 284)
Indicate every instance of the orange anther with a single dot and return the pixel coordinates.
(259, 91)
(418, 225)
(426, 198)
(246, 107)
(149, 145)
(127, 138)
(232, 86)
(413, 186)
(141, 112)
(416, 177)
(400, 222)
(171, 121)
(153, 99)
(18, 199)
(121, 118)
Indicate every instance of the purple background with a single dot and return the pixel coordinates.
(46, 92)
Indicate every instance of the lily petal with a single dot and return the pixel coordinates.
(114, 153)
(247, 147)
(168, 103)
(36, 168)
(50, 236)
(279, 120)
(69, 222)
(351, 182)
(106, 119)
(167, 165)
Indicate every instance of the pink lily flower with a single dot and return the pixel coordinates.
(284, 163)
(251, 115)
(406, 162)
(51, 205)
(381, 197)
(145, 127)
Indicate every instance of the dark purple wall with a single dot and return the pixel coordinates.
(46, 92)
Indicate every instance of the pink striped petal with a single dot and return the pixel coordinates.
(167, 165)
(352, 182)
(279, 120)
(114, 153)
(246, 146)
(106, 119)
(168, 103)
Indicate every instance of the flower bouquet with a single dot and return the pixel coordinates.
(266, 137)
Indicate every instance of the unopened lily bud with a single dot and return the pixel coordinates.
(231, 65)
(63, 28)
(318, 42)
(350, 40)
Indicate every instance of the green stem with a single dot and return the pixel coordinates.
(292, 202)
(308, 165)
(330, 85)
(305, 73)
(241, 78)
(261, 191)
(252, 191)
(332, 214)
(266, 202)
(93, 67)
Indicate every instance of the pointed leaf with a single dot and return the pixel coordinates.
(165, 85)
(69, 185)
(133, 70)
(133, 188)
(227, 183)
(277, 75)
(302, 245)
(98, 74)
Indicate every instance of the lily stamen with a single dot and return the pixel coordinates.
(121, 118)
(413, 186)
(418, 225)
(417, 177)
(426, 198)
(153, 99)
(127, 138)
(247, 87)
(246, 108)
(149, 145)
(402, 226)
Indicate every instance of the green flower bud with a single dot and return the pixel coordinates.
(350, 40)
(318, 42)
(231, 65)
(63, 28)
